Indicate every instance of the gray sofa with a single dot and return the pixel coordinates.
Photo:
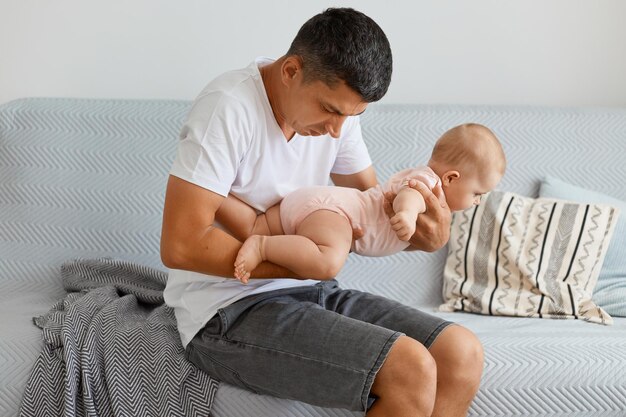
(86, 178)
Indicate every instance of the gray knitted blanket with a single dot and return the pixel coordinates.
(111, 348)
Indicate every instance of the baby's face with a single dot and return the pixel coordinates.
(467, 191)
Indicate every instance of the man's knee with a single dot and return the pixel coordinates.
(409, 372)
(459, 356)
(415, 357)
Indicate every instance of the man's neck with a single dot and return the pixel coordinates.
(270, 74)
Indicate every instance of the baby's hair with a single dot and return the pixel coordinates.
(471, 146)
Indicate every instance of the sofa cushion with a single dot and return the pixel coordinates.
(519, 256)
(610, 291)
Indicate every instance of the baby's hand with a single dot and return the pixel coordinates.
(403, 223)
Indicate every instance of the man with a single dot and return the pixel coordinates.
(259, 133)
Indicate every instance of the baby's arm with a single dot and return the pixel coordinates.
(240, 219)
(407, 205)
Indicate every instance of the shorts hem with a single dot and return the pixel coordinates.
(435, 333)
(382, 356)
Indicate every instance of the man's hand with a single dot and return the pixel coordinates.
(433, 226)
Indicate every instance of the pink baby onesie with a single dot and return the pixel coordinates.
(363, 209)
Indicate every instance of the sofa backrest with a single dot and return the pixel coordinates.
(86, 178)
(82, 178)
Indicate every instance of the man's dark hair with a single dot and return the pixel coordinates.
(344, 44)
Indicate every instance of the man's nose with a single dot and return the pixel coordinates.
(334, 124)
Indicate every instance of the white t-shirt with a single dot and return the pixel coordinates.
(231, 142)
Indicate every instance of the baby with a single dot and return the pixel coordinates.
(310, 231)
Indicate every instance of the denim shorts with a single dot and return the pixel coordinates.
(318, 344)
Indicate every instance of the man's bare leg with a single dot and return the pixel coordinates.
(438, 382)
(459, 357)
(406, 383)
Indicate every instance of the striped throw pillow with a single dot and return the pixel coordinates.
(519, 256)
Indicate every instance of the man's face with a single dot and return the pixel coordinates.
(313, 108)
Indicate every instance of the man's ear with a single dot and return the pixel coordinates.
(291, 69)
(449, 177)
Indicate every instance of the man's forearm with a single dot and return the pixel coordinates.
(215, 253)
(270, 270)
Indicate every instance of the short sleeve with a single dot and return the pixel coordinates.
(352, 156)
(212, 143)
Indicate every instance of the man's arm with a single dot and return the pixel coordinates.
(189, 241)
(361, 180)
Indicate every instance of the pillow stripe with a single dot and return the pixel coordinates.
(480, 281)
(469, 236)
(506, 212)
(597, 263)
(543, 248)
(520, 252)
(571, 299)
(580, 235)
(566, 220)
(532, 256)
(508, 279)
(581, 272)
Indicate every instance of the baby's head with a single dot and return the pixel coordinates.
(470, 161)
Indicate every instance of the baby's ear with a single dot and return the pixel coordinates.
(449, 177)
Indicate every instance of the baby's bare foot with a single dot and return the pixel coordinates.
(249, 257)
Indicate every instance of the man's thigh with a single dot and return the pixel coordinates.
(289, 346)
(384, 312)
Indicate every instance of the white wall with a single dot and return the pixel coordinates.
(536, 52)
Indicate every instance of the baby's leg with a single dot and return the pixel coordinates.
(238, 217)
(318, 251)
(272, 220)
(268, 223)
(242, 221)
(260, 226)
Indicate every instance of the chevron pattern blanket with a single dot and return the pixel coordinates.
(111, 348)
